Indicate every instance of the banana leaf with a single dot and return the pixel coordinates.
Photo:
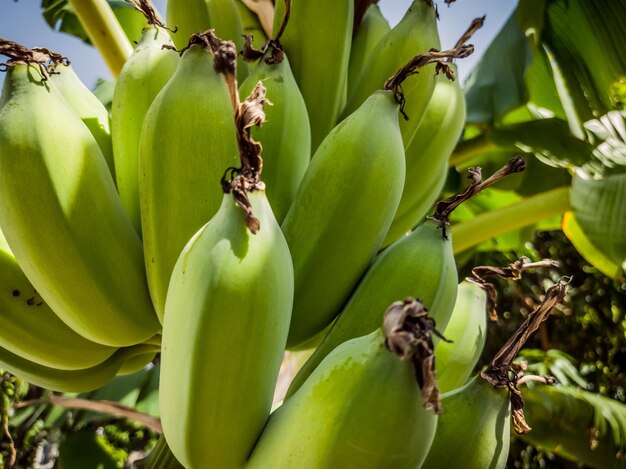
(577, 425)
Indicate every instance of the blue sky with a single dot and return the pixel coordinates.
(21, 21)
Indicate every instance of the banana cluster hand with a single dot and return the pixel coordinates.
(192, 227)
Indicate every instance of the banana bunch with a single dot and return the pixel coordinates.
(220, 232)
(421, 264)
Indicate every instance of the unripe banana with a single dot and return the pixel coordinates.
(467, 331)
(234, 283)
(286, 155)
(372, 29)
(415, 34)
(187, 142)
(61, 214)
(421, 265)
(342, 212)
(467, 327)
(427, 155)
(317, 42)
(144, 74)
(187, 17)
(428, 151)
(361, 408)
(83, 380)
(30, 329)
(474, 429)
(91, 111)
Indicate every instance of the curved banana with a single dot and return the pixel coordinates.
(415, 34)
(427, 155)
(372, 29)
(30, 329)
(145, 73)
(473, 432)
(467, 327)
(361, 408)
(187, 142)
(62, 217)
(342, 211)
(467, 331)
(232, 285)
(286, 155)
(84, 103)
(317, 42)
(186, 17)
(430, 148)
(82, 380)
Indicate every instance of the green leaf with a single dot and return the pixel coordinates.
(496, 86)
(599, 206)
(577, 425)
(82, 450)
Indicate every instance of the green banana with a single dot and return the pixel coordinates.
(82, 380)
(430, 148)
(160, 457)
(372, 29)
(187, 17)
(145, 73)
(415, 34)
(342, 211)
(474, 429)
(287, 154)
(30, 329)
(317, 42)
(187, 142)
(61, 214)
(421, 264)
(226, 323)
(89, 108)
(427, 155)
(361, 408)
(251, 25)
(467, 327)
(467, 330)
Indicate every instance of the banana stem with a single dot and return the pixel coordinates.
(104, 31)
(496, 222)
(470, 149)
